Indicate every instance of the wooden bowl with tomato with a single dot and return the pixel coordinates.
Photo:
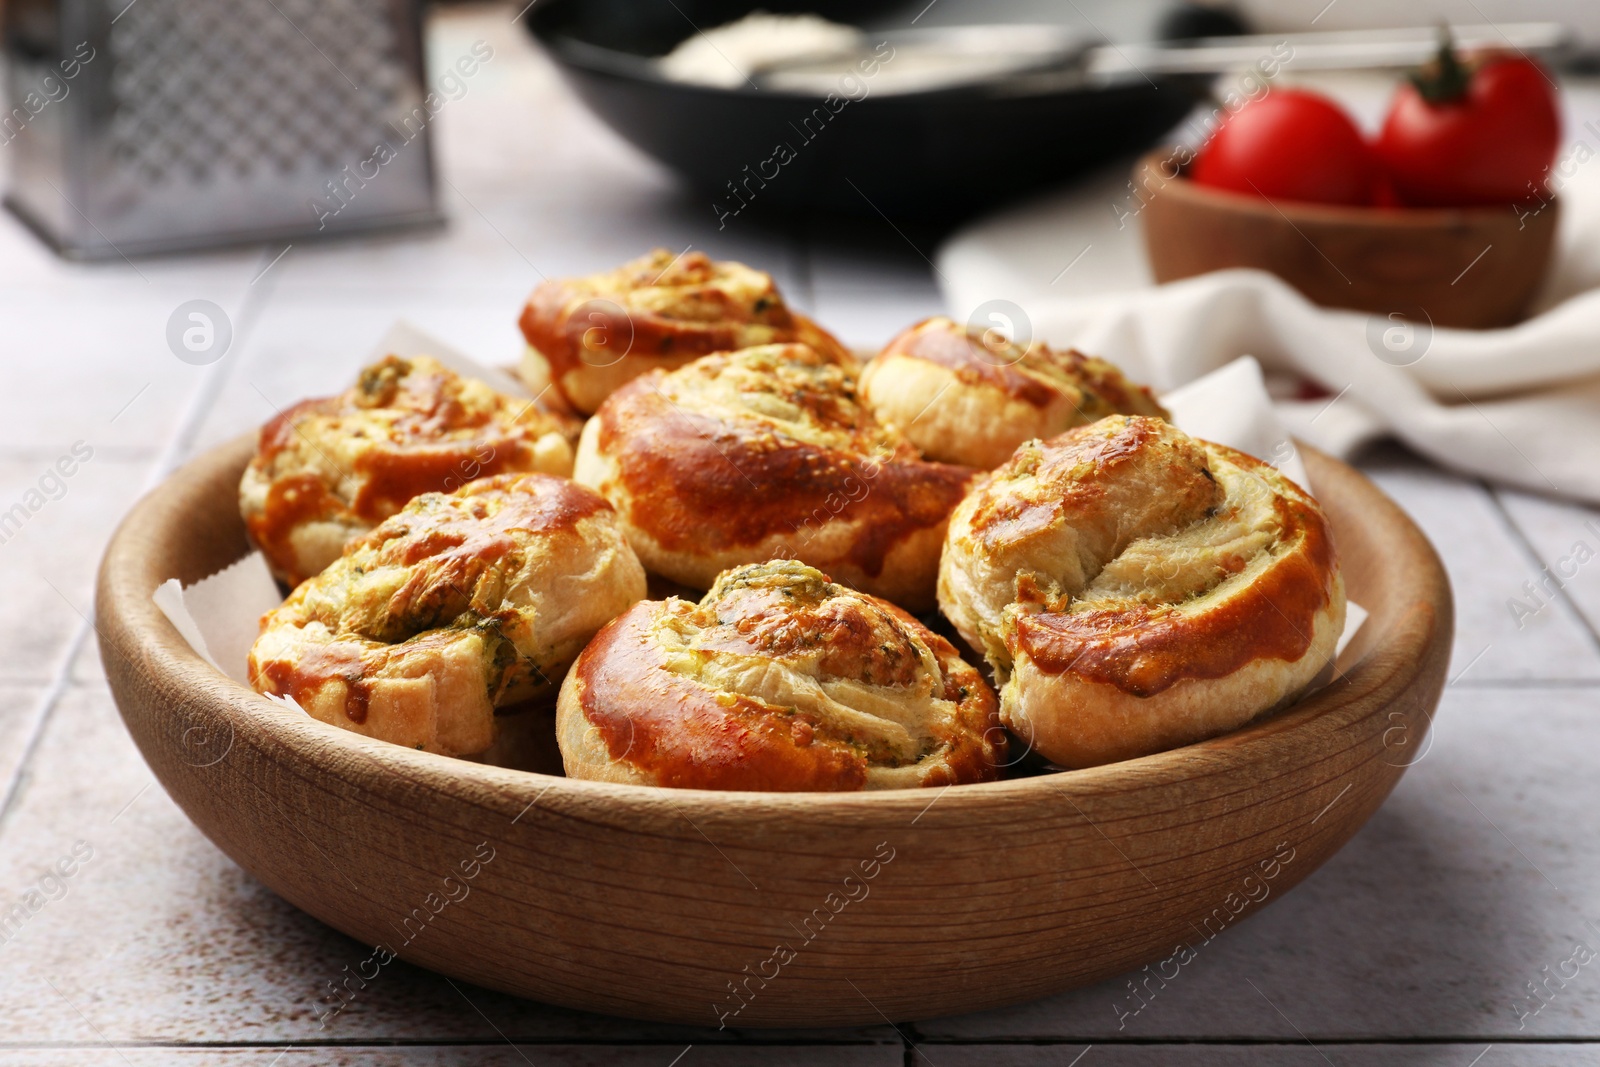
(1442, 216)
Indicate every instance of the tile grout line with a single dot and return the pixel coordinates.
(204, 398)
(1521, 537)
(114, 453)
(1529, 684)
(945, 1042)
(200, 403)
(375, 1042)
(39, 714)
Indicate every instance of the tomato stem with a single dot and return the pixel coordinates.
(1445, 78)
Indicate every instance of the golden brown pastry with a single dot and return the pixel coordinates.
(763, 453)
(1136, 589)
(327, 470)
(777, 680)
(592, 335)
(963, 396)
(459, 604)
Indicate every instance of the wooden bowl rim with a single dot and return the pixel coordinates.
(127, 613)
(1366, 216)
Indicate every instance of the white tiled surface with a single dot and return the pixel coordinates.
(1472, 877)
(502, 1054)
(1410, 947)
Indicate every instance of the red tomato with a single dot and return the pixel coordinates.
(1290, 145)
(1487, 137)
(1384, 194)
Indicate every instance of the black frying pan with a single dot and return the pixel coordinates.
(937, 153)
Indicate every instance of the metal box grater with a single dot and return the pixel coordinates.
(163, 125)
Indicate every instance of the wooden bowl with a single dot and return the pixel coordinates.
(753, 909)
(1474, 267)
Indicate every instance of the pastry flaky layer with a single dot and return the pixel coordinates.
(764, 453)
(592, 335)
(459, 604)
(1136, 589)
(968, 396)
(330, 469)
(777, 680)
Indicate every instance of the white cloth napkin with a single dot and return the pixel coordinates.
(1518, 405)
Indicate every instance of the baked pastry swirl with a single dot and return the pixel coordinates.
(764, 453)
(967, 397)
(459, 604)
(591, 335)
(1136, 589)
(777, 680)
(330, 469)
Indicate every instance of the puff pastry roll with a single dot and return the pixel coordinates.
(593, 334)
(1136, 589)
(330, 469)
(459, 604)
(967, 397)
(746, 456)
(777, 680)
